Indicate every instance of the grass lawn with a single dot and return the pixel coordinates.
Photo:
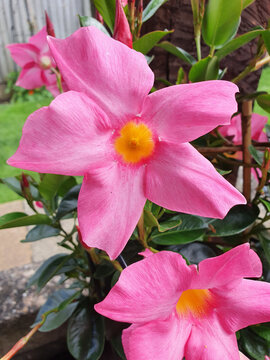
(12, 118)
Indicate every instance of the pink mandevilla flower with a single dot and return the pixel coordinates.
(36, 60)
(129, 145)
(181, 311)
(234, 130)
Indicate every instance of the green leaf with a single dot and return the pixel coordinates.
(151, 8)
(90, 21)
(237, 43)
(148, 41)
(104, 269)
(52, 260)
(62, 302)
(194, 252)
(180, 76)
(221, 21)
(264, 102)
(13, 184)
(177, 51)
(17, 219)
(212, 69)
(69, 202)
(85, 333)
(238, 219)
(266, 39)
(50, 184)
(198, 71)
(263, 331)
(253, 345)
(106, 8)
(256, 154)
(116, 342)
(266, 203)
(246, 3)
(40, 232)
(177, 237)
(264, 238)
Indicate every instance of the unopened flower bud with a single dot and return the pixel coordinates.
(121, 27)
(49, 25)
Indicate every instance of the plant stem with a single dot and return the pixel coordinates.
(198, 46)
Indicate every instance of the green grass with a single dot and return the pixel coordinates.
(12, 118)
(264, 85)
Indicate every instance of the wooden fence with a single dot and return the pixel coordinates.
(19, 19)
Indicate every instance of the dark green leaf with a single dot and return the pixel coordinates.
(41, 232)
(238, 219)
(266, 204)
(13, 183)
(177, 237)
(266, 39)
(221, 21)
(85, 334)
(116, 342)
(263, 331)
(194, 252)
(256, 154)
(50, 184)
(253, 345)
(104, 269)
(177, 51)
(90, 21)
(17, 219)
(52, 260)
(107, 10)
(264, 102)
(151, 8)
(62, 302)
(169, 225)
(115, 278)
(148, 41)
(180, 76)
(264, 238)
(237, 43)
(67, 185)
(212, 69)
(69, 202)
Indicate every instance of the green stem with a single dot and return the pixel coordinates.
(198, 46)
(212, 51)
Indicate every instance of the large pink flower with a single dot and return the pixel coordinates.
(129, 145)
(35, 59)
(234, 130)
(180, 311)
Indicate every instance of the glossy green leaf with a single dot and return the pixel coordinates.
(104, 269)
(90, 21)
(253, 345)
(263, 331)
(69, 202)
(85, 334)
(198, 71)
(212, 69)
(194, 252)
(106, 8)
(266, 204)
(56, 259)
(17, 219)
(66, 185)
(177, 51)
(237, 43)
(41, 232)
(50, 184)
(13, 183)
(177, 237)
(116, 342)
(264, 102)
(266, 39)
(238, 219)
(63, 303)
(264, 237)
(180, 76)
(256, 154)
(221, 21)
(145, 43)
(151, 8)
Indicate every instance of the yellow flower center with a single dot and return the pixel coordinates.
(135, 142)
(194, 302)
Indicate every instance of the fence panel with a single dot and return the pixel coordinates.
(19, 19)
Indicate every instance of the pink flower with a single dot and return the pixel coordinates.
(178, 310)
(129, 145)
(234, 130)
(35, 59)
(121, 27)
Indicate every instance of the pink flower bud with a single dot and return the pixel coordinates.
(121, 27)
(39, 204)
(49, 25)
(24, 181)
(99, 17)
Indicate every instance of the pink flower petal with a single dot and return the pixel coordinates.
(258, 122)
(30, 77)
(244, 305)
(23, 54)
(149, 289)
(182, 113)
(40, 40)
(157, 340)
(67, 137)
(179, 178)
(110, 205)
(115, 77)
(208, 340)
(225, 269)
